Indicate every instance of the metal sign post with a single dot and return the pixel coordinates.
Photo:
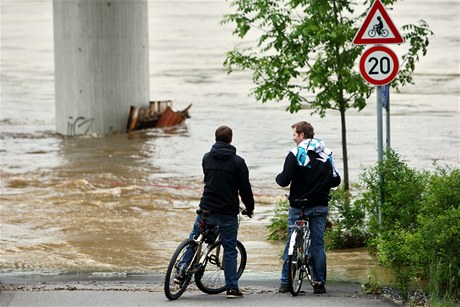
(386, 105)
(380, 144)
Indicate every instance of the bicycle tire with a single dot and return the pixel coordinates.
(173, 290)
(294, 263)
(211, 279)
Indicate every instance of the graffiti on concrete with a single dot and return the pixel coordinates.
(79, 126)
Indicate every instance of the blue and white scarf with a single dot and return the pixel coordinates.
(315, 145)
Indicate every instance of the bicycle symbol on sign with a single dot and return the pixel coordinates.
(378, 29)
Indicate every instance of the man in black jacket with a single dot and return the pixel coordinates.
(226, 178)
(309, 169)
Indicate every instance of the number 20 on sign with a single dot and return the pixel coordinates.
(379, 65)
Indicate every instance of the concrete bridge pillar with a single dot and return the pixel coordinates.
(101, 64)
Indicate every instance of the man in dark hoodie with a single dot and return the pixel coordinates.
(226, 177)
(309, 169)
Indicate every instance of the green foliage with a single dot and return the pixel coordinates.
(395, 253)
(278, 224)
(348, 222)
(402, 190)
(420, 232)
(440, 261)
(417, 36)
(372, 286)
(305, 47)
(440, 233)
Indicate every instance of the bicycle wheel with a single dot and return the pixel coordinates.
(295, 265)
(211, 279)
(179, 264)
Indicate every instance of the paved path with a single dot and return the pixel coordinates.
(259, 289)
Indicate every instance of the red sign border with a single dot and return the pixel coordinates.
(359, 40)
(363, 70)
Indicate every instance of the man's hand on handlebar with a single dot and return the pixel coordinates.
(247, 213)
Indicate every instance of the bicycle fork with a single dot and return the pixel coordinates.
(192, 264)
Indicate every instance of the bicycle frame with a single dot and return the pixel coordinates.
(204, 254)
(205, 236)
(303, 226)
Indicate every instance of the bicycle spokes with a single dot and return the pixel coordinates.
(179, 273)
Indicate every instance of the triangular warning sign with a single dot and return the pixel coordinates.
(377, 28)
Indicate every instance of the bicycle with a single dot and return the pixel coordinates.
(201, 260)
(300, 262)
(383, 32)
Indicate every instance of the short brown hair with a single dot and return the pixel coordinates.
(224, 134)
(304, 127)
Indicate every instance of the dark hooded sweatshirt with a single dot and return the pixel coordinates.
(225, 175)
(313, 180)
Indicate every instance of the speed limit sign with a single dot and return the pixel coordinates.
(379, 65)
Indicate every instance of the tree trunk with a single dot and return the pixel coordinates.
(346, 183)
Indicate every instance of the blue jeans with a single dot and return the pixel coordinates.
(228, 225)
(318, 218)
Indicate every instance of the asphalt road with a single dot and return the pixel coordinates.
(258, 289)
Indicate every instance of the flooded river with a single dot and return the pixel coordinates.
(120, 204)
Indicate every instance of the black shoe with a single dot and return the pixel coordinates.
(284, 288)
(234, 293)
(319, 289)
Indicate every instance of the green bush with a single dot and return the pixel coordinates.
(439, 258)
(438, 237)
(420, 231)
(393, 251)
(402, 191)
(348, 222)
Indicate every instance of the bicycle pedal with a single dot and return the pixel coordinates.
(213, 259)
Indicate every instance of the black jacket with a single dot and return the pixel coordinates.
(313, 181)
(225, 175)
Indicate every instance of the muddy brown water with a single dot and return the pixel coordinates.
(104, 212)
(97, 228)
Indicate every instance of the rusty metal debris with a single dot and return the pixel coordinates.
(158, 114)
